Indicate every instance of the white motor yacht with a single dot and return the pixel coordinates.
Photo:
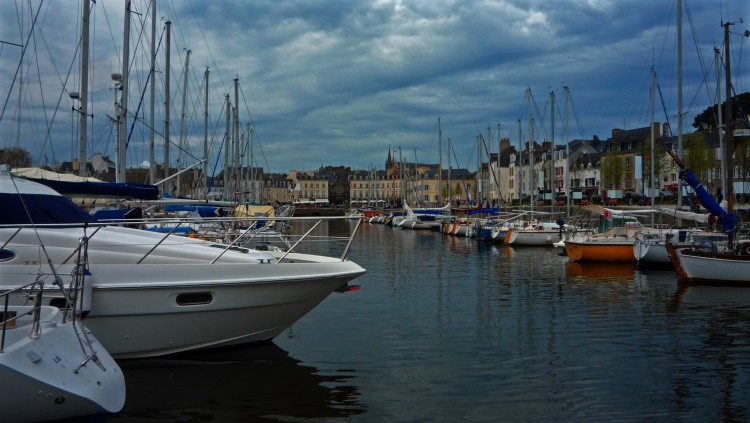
(152, 294)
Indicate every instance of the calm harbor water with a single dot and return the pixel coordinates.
(451, 330)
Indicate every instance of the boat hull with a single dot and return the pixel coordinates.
(40, 381)
(177, 299)
(532, 237)
(695, 265)
(595, 251)
(651, 252)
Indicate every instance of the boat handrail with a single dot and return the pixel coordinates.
(9, 320)
(229, 242)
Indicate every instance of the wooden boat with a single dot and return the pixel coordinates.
(613, 242)
(728, 264)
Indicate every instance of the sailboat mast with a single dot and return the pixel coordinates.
(722, 146)
(568, 188)
(530, 122)
(183, 112)
(236, 139)
(450, 190)
(520, 161)
(123, 136)
(84, 88)
(440, 164)
(167, 77)
(152, 83)
(487, 147)
(653, 140)
(480, 191)
(227, 146)
(679, 93)
(499, 150)
(552, 152)
(729, 127)
(205, 141)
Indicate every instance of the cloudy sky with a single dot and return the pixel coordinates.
(342, 82)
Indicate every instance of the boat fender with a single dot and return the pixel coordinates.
(86, 294)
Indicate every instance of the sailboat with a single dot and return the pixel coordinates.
(721, 264)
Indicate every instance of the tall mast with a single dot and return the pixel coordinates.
(236, 138)
(205, 141)
(489, 160)
(227, 146)
(531, 150)
(552, 153)
(679, 93)
(183, 112)
(84, 88)
(440, 164)
(653, 140)
(499, 150)
(480, 188)
(532, 166)
(167, 77)
(568, 188)
(729, 129)
(450, 190)
(722, 146)
(123, 121)
(520, 161)
(152, 83)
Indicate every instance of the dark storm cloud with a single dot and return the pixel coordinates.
(340, 82)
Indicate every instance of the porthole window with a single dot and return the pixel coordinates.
(194, 298)
(6, 255)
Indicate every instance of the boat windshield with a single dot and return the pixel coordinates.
(40, 209)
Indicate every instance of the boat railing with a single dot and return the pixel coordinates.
(10, 318)
(225, 233)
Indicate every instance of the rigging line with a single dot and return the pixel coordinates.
(260, 144)
(214, 137)
(48, 137)
(575, 114)
(494, 176)
(203, 35)
(20, 61)
(700, 60)
(466, 187)
(41, 93)
(114, 43)
(664, 108)
(542, 118)
(143, 94)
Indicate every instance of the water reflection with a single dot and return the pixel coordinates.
(619, 271)
(256, 383)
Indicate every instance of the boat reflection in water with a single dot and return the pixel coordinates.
(600, 269)
(241, 384)
(724, 298)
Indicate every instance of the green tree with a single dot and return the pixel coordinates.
(15, 157)
(707, 118)
(696, 154)
(613, 168)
